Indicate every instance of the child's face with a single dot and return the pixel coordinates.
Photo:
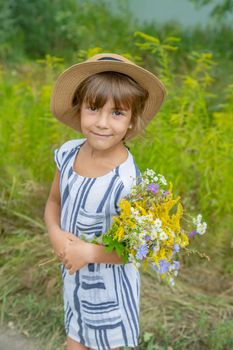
(104, 127)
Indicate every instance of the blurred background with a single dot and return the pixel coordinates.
(189, 45)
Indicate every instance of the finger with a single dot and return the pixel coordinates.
(65, 261)
(68, 267)
(71, 236)
(60, 255)
(71, 271)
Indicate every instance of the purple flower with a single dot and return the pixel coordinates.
(176, 248)
(192, 233)
(154, 188)
(166, 193)
(142, 251)
(163, 266)
(176, 264)
(147, 238)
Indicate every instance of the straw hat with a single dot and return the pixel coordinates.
(70, 79)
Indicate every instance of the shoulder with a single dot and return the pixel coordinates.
(66, 148)
(69, 145)
(129, 172)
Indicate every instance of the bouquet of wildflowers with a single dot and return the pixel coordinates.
(148, 229)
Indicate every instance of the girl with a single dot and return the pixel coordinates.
(108, 99)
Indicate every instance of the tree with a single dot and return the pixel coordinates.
(220, 9)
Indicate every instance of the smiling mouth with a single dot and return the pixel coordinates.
(101, 135)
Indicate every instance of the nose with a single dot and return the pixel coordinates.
(102, 120)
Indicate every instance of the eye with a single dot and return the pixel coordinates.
(92, 108)
(118, 113)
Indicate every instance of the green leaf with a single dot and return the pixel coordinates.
(147, 37)
(147, 337)
(170, 48)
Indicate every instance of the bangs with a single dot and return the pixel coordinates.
(123, 90)
(110, 86)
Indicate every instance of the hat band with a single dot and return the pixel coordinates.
(108, 59)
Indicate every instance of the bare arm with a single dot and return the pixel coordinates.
(58, 238)
(99, 255)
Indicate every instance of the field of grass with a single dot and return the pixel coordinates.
(190, 142)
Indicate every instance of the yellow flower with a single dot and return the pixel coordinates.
(162, 253)
(156, 260)
(130, 223)
(169, 254)
(170, 240)
(116, 219)
(184, 240)
(132, 251)
(119, 233)
(139, 206)
(163, 276)
(145, 265)
(125, 206)
(176, 218)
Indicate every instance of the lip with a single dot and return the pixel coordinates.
(100, 135)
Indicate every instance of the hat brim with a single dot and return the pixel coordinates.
(71, 78)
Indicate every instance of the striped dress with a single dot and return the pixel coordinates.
(101, 301)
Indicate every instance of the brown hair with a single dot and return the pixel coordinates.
(125, 92)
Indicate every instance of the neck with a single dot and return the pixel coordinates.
(100, 154)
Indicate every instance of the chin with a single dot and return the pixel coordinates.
(103, 145)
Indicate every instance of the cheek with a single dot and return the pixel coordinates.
(84, 126)
(85, 121)
(122, 128)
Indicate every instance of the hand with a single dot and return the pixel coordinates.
(62, 237)
(76, 254)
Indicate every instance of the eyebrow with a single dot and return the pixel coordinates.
(120, 109)
(123, 108)
(113, 108)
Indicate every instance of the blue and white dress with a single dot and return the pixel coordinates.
(101, 301)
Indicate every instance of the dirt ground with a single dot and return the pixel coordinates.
(12, 340)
